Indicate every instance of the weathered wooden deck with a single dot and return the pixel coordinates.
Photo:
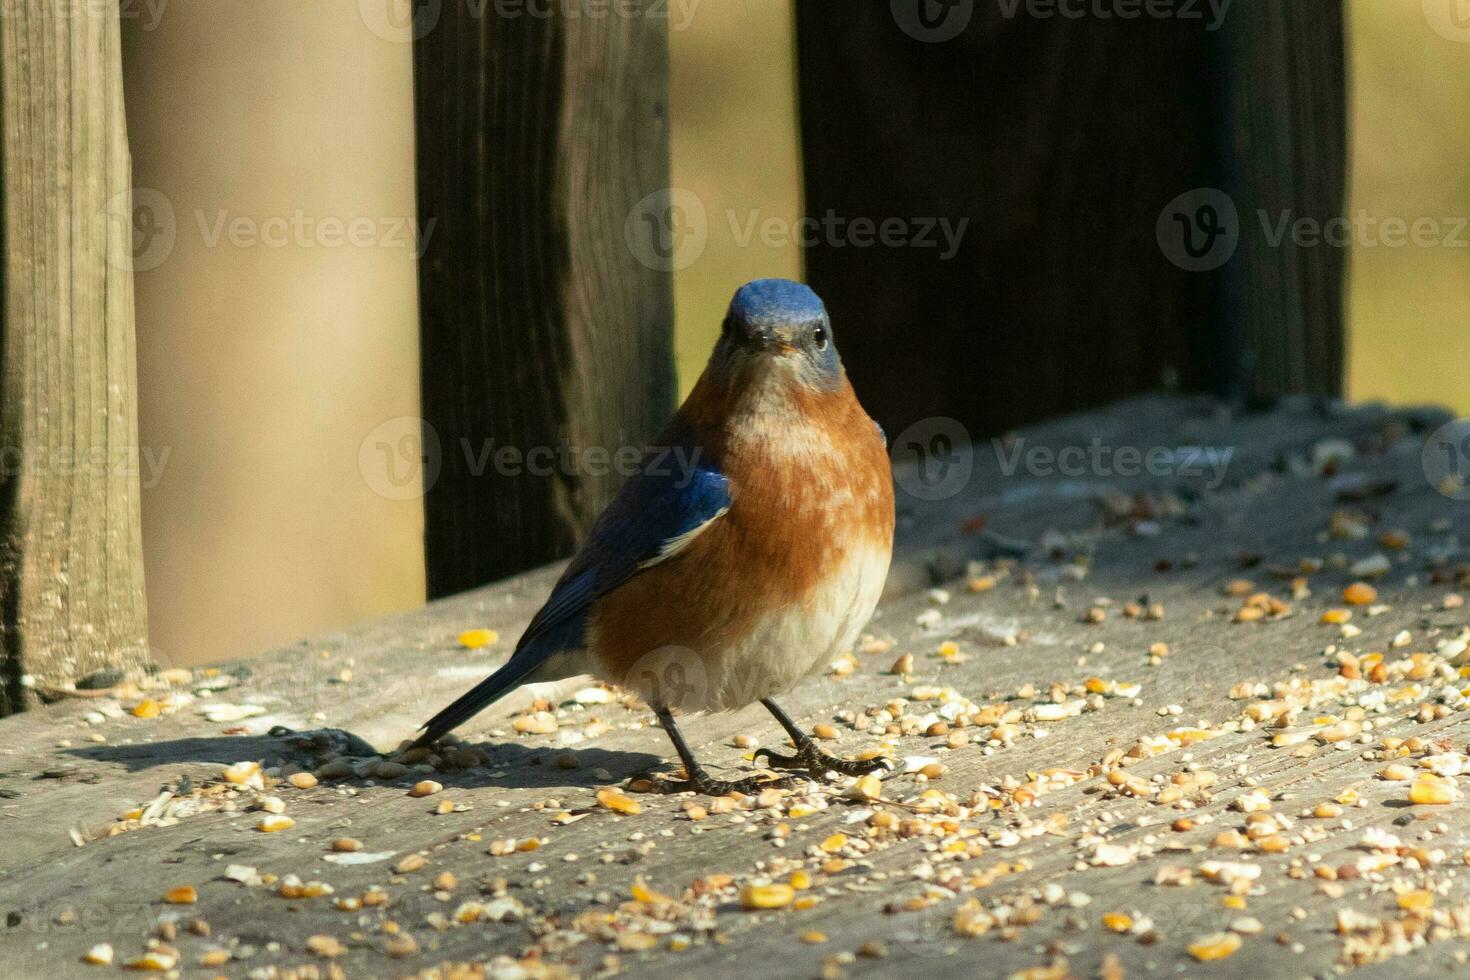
(1064, 800)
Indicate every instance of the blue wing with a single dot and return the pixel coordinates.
(670, 500)
(657, 512)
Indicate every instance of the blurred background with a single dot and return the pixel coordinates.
(277, 326)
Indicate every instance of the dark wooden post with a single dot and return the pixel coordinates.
(547, 314)
(71, 563)
(1063, 143)
(1283, 153)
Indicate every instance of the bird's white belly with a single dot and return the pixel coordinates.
(795, 642)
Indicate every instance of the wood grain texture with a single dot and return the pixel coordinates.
(1284, 153)
(60, 899)
(71, 564)
(1060, 140)
(541, 329)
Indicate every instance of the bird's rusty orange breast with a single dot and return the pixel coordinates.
(810, 483)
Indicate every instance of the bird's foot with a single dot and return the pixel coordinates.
(808, 758)
(699, 781)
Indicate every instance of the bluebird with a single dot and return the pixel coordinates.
(747, 551)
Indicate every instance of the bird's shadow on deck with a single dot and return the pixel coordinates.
(510, 765)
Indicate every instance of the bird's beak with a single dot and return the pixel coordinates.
(782, 340)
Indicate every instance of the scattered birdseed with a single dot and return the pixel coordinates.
(410, 863)
(1215, 946)
(770, 896)
(182, 895)
(401, 945)
(160, 959)
(476, 638)
(325, 946)
(1429, 789)
(617, 802)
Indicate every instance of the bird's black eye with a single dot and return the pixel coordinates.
(819, 337)
(726, 326)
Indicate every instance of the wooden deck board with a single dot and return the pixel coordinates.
(61, 899)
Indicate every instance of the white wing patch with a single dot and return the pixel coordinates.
(678, 542)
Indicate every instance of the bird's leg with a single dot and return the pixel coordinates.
(697, 779)
(808, 756)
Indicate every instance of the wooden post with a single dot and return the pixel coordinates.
(546, 316)
(71, 564)
(1062, 142)
(1283, 141)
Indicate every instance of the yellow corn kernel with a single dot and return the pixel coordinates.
(475, 639)
(1216, 946)
(1419, 900)
(1436, 791)
(773, 896)
(615, 801)
(642, 893)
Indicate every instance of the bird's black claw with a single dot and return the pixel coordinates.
(812, 760)
(702, 782)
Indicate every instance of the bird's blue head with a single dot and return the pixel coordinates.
(779, 325)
